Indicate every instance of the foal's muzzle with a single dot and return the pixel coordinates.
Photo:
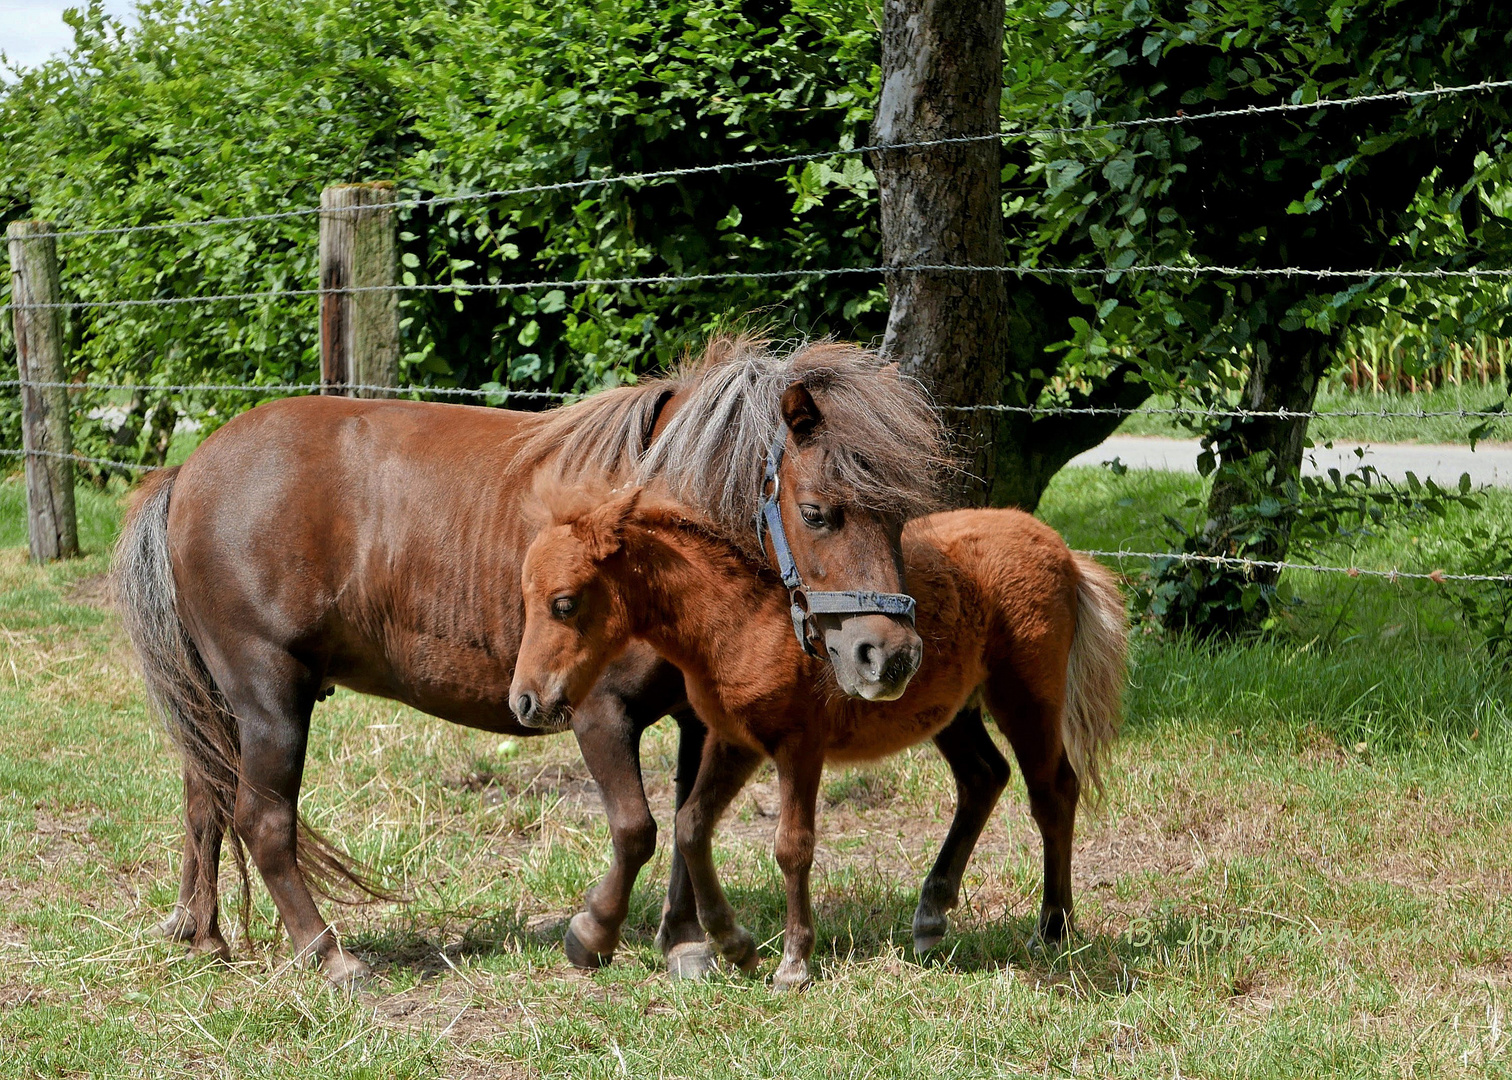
(532, 711)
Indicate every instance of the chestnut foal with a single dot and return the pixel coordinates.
(1007, 613)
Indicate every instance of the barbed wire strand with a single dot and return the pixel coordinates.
(293, 388)
(557, 395)
(798, 159)
(459, 287)
(1436, 576)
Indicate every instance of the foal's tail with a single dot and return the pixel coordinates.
(198, 718)
(1094, 673)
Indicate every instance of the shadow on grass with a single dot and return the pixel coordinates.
(865, 925)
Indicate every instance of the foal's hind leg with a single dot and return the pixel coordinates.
(196, 916)
(981, 774)
(723, 772)
(680, 937)
(273, 710)
(1033, 729)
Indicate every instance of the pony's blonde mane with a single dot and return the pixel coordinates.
(884, 448)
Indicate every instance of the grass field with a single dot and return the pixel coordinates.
(1302, 869)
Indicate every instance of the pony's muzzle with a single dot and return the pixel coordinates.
(873, 656)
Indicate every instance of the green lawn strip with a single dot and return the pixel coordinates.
(1302, 868)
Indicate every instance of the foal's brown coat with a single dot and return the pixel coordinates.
(1005, 610)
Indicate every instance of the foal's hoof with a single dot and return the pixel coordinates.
(740, 950)
(343, 968)
(178, 926)
(692, 960)
(578, 953)
(929, 929)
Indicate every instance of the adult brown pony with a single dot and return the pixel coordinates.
(1009, 616)
(377, 545)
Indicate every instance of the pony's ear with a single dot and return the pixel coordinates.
(602, 529)
(800, 413)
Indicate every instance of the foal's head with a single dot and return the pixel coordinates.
(575, 621)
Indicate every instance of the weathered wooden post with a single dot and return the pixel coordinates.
(45, 433)
(942, 77)
(359, 331)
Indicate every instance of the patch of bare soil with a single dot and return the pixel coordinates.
(94, 590)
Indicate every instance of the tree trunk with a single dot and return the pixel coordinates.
(942, 78)
(1257, 459)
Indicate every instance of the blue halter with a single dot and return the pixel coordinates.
(806, 603)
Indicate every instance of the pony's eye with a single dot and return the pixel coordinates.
(813, 517)
(563, 606)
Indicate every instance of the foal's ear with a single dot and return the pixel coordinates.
(602, 529)
(800, 413)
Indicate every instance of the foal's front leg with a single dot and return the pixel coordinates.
(798, 775)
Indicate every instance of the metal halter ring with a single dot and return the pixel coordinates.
(805, 603)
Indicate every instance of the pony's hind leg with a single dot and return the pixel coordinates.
(1033, 729)
(274, 719)
(680, 937)
(722, 773)
(196, 916)
(981, 774)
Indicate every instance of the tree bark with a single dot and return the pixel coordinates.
(1257, 457)
(942, 205)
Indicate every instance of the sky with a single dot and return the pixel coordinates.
(32, 30)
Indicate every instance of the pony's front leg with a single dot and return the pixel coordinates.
(981, 774)
(610, 743)
(798, 775)
(722, 773)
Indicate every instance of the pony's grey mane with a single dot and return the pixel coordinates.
(884, 447)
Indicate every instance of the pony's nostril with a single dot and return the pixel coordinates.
(900, 667)
(525, 707)
(866, 658)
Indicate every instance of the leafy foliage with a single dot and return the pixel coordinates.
(252, 106)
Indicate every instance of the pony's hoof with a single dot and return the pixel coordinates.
(791, 978)
(579, 954)
(344, 969)
(692, 960)
(213, 947)
(928, 931)
(178, 926)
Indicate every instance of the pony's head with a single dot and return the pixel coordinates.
(575, 621)
(860, 451)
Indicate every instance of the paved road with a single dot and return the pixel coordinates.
(1488, 464)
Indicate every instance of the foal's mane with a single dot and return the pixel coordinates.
(884, 448)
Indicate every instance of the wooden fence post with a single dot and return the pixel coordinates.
(52, 525)
(359, 331)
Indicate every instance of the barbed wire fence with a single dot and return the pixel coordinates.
(502, 396)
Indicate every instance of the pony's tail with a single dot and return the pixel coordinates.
(1094, 673)
(182, 691)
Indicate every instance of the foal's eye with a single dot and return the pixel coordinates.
(564, 605)
(813, 517)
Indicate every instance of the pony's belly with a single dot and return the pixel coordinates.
(462, 684)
